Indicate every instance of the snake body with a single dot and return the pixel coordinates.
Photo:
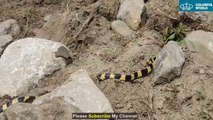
(16, 100)
(141, 73)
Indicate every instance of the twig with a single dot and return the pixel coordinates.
(78, 18)
(92, 13)
(161, 13)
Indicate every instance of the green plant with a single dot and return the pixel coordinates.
(175, 34)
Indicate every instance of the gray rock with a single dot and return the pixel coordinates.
(2, 116)
(47, 17)
(9, 27)
(26, 61)
(121, 28)
(80, 91)
(55, 28)
(5, 40)
(54, 109)
(169, 63)
(202, 43)
(109, 9)
(130, 12)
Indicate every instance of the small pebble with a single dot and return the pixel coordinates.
(47, 17)
(201, 71)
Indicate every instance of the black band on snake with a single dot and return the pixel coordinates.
(16, 100)
(141, 73)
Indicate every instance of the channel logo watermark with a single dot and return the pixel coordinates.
(186, 6)
(195, 5)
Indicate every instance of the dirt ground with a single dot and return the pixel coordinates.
(98, 49)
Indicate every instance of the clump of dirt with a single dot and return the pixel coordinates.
(98, 49)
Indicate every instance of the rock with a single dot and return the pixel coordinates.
(54, 109)
(121, 28)
(201, 71)
(131, 11)
(2, 116)
(64, 53)
(9, 27)
(109, 9)
(26, 61)
(169, 63)
(5, 40)
(47, 17)
(80, 91)
(202, 43)
(57, 28)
